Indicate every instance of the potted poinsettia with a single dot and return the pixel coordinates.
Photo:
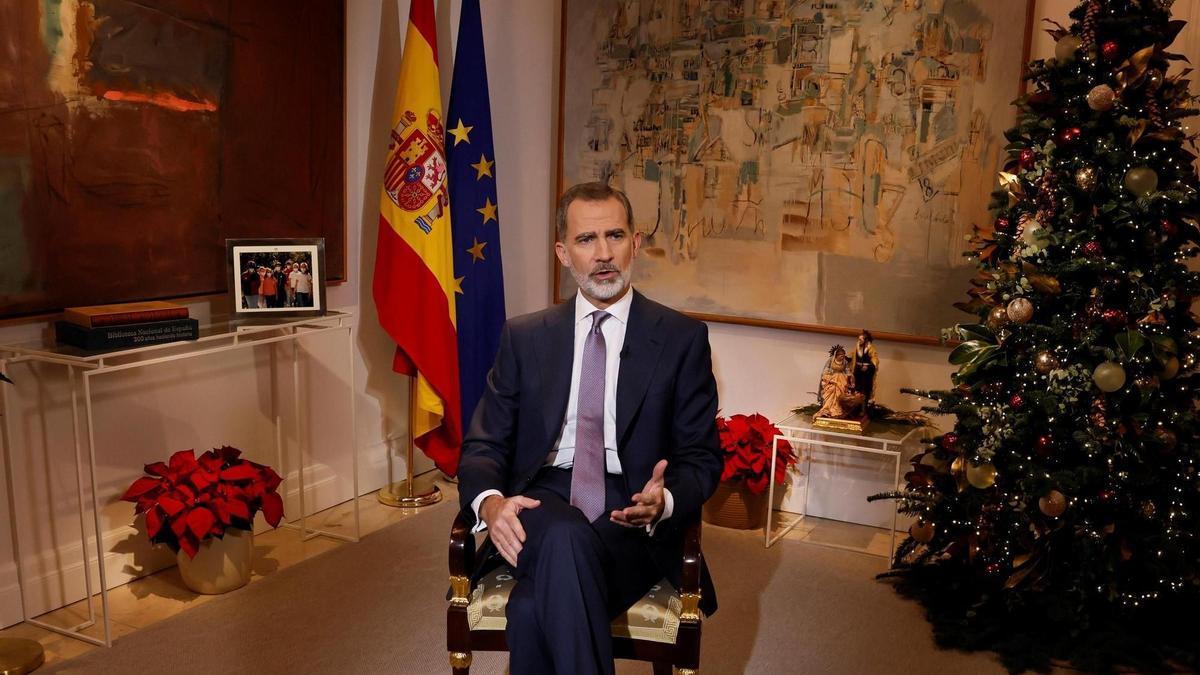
(740, 498)
(203, 508)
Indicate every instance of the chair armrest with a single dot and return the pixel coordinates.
(462, 560)
(693, 558)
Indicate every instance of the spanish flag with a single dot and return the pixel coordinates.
(414, 268)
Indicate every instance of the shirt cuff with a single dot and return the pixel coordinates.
(668, 507)
(480, 526)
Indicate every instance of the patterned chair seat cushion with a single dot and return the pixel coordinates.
(654, 618)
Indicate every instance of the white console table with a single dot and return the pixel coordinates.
(880, 439)
(82, 367)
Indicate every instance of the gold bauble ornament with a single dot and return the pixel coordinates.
(921, 532)
(981, 476)
(1148, 509)
(1054, 504)
(1067, 47)
(1032, 232)
(1101, 98)
(958, 469)
(1044, 362)
(997, 318)
(1020, 310)
(1086, 178)
(1169, 369)
(931, 460)
(1109, 376)
(1141, 180)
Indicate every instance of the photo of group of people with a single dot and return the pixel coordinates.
(276, 276)
(269, 282)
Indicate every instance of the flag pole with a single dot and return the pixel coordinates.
(412, 492)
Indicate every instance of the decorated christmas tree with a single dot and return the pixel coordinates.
(1060, 518)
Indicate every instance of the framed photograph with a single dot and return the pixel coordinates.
(796, 164)
(275, 277)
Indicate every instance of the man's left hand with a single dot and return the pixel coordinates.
(647, 505)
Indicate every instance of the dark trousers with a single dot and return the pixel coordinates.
(573, 578)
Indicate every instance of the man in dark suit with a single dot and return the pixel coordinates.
(594, 441)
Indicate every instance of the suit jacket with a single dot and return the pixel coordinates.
(666, 409)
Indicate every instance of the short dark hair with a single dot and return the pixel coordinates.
(589, 192)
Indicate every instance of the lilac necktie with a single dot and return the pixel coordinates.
(587, 472)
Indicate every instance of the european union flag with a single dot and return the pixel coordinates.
(471, 164)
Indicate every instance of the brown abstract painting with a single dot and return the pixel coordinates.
(136, 137)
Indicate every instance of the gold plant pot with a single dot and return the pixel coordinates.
(733, 505)
(221, 565)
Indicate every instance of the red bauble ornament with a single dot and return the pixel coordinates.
(949, 440)
(1093, 249)
(1028, 158)
(1107, 496)
(1017, 401)
(1168, 228)
(1110, 50)
(1003, 225)
(1114, 318)
(1045, 444)
(1069, 135)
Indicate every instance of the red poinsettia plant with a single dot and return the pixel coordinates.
(746, 440)
(189, 499)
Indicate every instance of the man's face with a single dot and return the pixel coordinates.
(598, 249)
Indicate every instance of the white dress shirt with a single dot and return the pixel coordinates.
(563, 455)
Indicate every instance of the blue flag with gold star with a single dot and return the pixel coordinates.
(471, 164)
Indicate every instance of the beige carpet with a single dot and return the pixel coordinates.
(378, 606)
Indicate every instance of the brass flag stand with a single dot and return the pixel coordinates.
(413, 492)
(19, 656)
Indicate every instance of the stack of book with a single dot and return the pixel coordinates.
(132, 324)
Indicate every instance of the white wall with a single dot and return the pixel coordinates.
(228, 400)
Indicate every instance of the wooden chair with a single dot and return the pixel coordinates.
(663, 627)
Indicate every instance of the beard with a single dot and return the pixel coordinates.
(602, 290)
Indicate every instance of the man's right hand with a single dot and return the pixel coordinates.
(500, 514)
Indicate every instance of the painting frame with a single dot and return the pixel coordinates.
(558, 275)
(309, 255)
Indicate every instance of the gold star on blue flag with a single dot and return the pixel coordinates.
(471, 177)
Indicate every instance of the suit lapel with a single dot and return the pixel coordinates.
(643, 343)
(554, 360)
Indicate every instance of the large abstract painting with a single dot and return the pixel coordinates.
(800, 163)
(136, 136)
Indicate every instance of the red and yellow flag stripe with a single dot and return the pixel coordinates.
(414, 269)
